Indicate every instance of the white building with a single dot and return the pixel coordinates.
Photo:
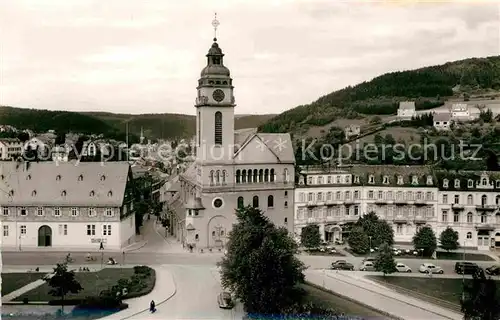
(352, 130)
(442, 121)
(66, 205)
(406, 110)
(231, 169)
(10, 148)
(460, 112)
(407, 197)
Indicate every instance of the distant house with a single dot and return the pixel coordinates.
(10, 148)
(406, 110)
(442, 121)
(7, 128)
(60, 153)
(352, 130)
(460, 112)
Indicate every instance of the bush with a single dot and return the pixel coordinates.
(143, 270)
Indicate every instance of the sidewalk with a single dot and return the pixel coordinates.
(379, 297)
(164, 289)
(133, 247)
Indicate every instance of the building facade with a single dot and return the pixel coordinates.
(442, 121)
(232, 169)
(10, 148)
(406, 110)
(408, 197)
(460, 112)
(66, 205)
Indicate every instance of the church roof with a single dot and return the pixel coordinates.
(279, 144)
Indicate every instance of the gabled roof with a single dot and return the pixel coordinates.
(279, 144)
(48, 183)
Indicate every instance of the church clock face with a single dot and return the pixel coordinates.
(218, 95)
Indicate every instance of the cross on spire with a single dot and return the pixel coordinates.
(215, 24)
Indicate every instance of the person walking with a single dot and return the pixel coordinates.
(152, 307)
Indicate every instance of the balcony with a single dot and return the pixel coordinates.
(420, 202)
(400, 219)
(457, 206)
(311, 204)
(485, 226)
(420, 219)
(400, 202)
(380, 201)
(486, 207)
(350, 218)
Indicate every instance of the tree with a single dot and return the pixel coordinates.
(384, 261)
(260, 266)
(449, 239)
(379, 230)
(425, 239)
(63, 282)
(23, 136)
(480, 299)
(358, 240)
(310, 237)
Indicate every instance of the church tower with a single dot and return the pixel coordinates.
(215, 109)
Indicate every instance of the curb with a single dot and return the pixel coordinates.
(387, 314)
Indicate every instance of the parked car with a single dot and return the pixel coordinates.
(225, 301)
(464, 267)
(430, 268)
(368, 260)
(342, 265)
(493, 270)
(367, 266)
(401, 267)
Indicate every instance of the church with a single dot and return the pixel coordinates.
(232, 169)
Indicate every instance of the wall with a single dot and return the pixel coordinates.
(127, 230)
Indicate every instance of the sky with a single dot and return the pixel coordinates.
(129, 56)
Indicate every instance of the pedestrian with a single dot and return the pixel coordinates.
(152, 307)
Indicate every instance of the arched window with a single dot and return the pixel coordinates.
(266, 175)
(484, 200)
(469, 235)
(285, 175)
(270, 201)
(238, 176)
(272, 175)
(80, 177)
(211, 177)
(217, 177)
(224, 173)
(261, 175)
(255, 175)
(497, 200)
(469, 199)
(249, 178)
(240, 203)
(469, 217)
(218, 128)
(255, 201)
(244, 176)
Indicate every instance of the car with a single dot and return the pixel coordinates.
(368, 260)
(342, 265)
(225, 301)
(430, 268)
(367, 266)
(401, 267)
(464, 267)
(493, 270)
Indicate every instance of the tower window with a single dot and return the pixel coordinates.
(218, 128)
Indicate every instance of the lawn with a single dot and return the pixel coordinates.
(13, 281)
(441, 291)
(92, 282)
(342, 305)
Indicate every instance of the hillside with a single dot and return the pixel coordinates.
(429, 86)
(113, 125)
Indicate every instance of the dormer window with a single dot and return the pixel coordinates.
(414, 180)
(429, 180)
(484, 181)
(80, 177)
(457, 183)
(400, 179)
(92, 193)
(371, 179)
(356, 179)
(58, 177)
(103, 177)
(347, 179)
(445, 183)
(497, 183)
(386, 180)
(28, 177)
(470, 183)
(110, 193)
(33, 193)
(63, 193)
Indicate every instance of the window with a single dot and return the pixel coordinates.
(33, 193)
(255, 201)
(484, 200)
(106, 230)
(58, 177)
(456, 217)
(371, 179)
(286, 194)
(329, 179)
(57, 212)
(103, 177)
(380, 194)
(270, 202)
(65, 229)
(218, 128)
(469, 235)
(456, 199)
(197, 237)
(470, 183)
(23, 230)
(400, 179)
(286, 204)
(337, 179)
(498, 183)
(484, 181)
(5, 211)
(80, 178)
(386, 180)
(24, 211)
(92, 193)
(399, 228)
(63, 193)
(370, 194)
(109, 212)
(286, 220)
(348, 195)
(39, 211)
(457, 183)
(469, 217)
(338, 195)
(444, 216)
(414, 180)
(74, 212)
(497, 200)
(428, 196)
(92, 212)
(110, 193)
(356, 194)
(356, 179)
(445, 183)
(484, 218)
(224, 175)
(356, 210)
(310, 196)
(445, 198)
(241, 201)
(320, 180)
(429, 180)
(5, 231)
(91, 229)
(320, 196)
(469, 199)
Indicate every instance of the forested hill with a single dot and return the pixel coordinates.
(428, 86)
(113, 125)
